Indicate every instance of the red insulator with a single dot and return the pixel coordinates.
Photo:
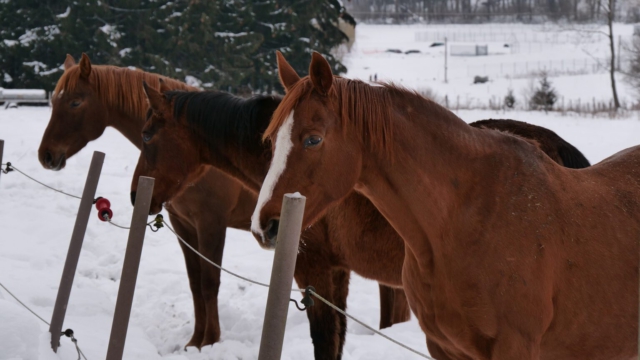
(104, 208)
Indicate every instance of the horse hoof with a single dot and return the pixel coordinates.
(209, 341)
(193, 343)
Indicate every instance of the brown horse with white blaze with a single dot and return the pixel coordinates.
(507, 254)
(186, 131)
(87, 99)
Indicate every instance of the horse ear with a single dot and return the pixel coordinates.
(163, 86)
(69, 62)
(157, 101)
(288, 76)
(320, 73)
(85, 66)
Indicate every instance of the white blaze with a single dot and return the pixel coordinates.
(283, 147)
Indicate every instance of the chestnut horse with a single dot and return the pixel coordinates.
(186, 131)
(507, 254)
(232, 143)
(87, 99)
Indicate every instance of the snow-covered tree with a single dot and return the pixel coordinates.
(228, 45)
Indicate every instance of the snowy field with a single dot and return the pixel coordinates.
(563, 50)
(36, 224)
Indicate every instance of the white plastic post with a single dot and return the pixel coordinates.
(284, 263)
(130, 269)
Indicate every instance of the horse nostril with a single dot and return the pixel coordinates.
(271, 231)
(133, 198)
(48, 159)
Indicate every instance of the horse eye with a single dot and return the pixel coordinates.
(75, 103)
(146, 136)
(312, 141)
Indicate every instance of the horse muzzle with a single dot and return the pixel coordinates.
(51, 162)
(267, 237)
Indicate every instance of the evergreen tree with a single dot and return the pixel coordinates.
(545, 95)
(510, 99)
(228, 45)
(297, 28)
(38, 34)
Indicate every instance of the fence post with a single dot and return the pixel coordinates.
(75, 245)
(1, 151)
(284, 263)
(130, 269)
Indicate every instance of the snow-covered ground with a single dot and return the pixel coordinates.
(36, 224)
(565, 50)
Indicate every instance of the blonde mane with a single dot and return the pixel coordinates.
(117, 87)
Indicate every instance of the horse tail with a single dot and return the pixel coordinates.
(572, 157)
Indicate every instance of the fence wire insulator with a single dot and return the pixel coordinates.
(307, 301)
(104, 209)
(69, 333)
(7, 169)
(156, 224)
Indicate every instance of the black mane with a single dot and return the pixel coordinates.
(224, 119)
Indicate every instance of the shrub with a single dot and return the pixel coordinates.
(545, 95)
(510, 99)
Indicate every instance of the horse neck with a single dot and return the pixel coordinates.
(130, 122)
(433, 166)
(250, 168)
(244, 160)
(129, 125)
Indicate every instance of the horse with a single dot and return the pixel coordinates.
(232, 144)
(187, 131)
(508, 255)
(87, 99)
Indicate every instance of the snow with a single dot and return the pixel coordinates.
(193, 81)
(562, 50)
(113, 33)
(124, 52)
(19, 332)
(295, 195)
(36, 226)
(65, 13)
(230, 34)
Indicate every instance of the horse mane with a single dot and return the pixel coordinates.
(120, 88)
(363, 109)
(222, 118)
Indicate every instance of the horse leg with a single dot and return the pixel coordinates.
(401, 310)
(323, 320)
(211, 239)
(340, 292)
(192, 262)
(386, 306)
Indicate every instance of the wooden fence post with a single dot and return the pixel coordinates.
(75, 245)
(130, 269)
(1, 152)
(284, 263)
